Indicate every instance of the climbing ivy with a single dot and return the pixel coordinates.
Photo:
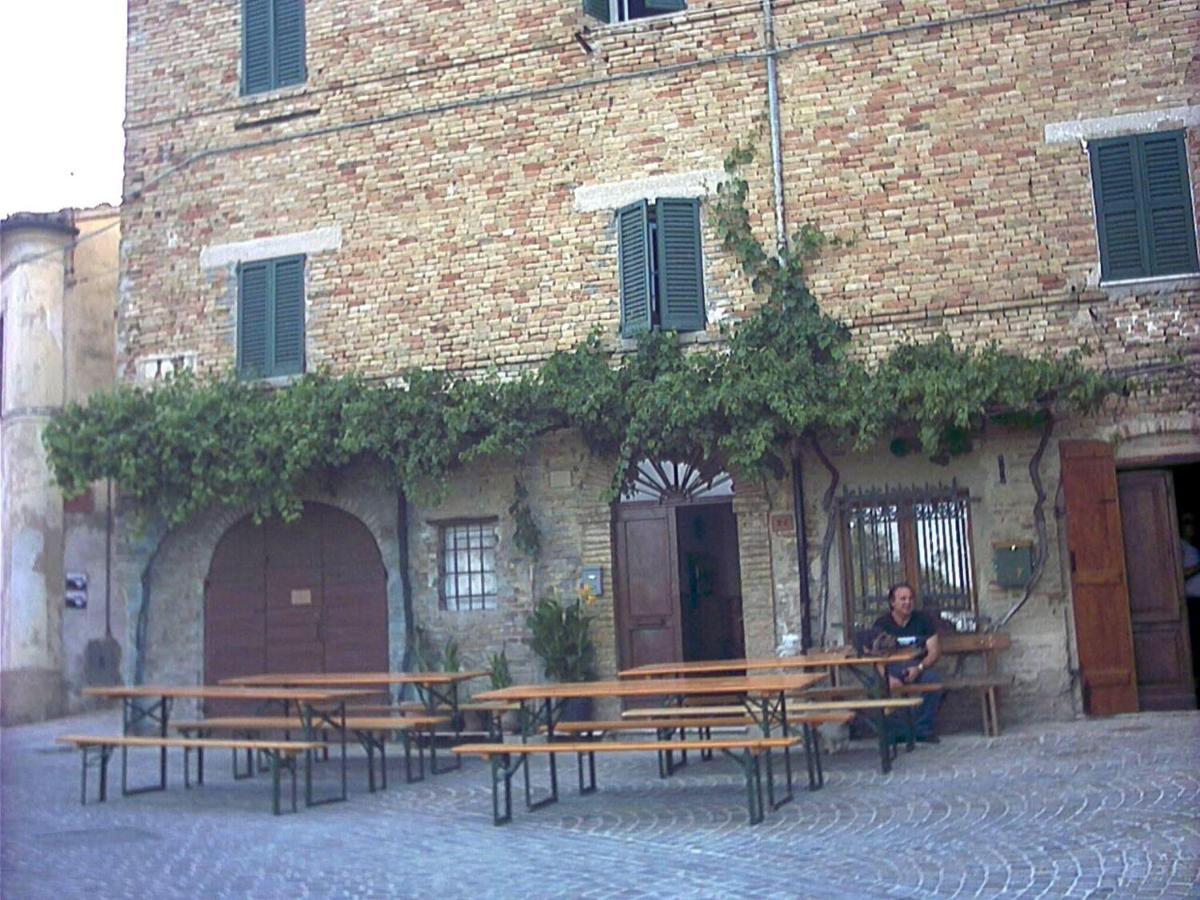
(786, 372)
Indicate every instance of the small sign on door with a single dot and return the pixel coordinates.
(302, 597)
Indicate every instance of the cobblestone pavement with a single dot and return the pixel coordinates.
(1093, 808)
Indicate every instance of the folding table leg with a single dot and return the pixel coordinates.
(754, 793)
(591, 786)
(501, 772)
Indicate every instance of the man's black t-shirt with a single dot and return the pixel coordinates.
(918, 630)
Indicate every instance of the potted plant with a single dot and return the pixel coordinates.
(561, 638)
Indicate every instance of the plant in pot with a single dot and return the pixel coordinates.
(500, 676)
(561, 638)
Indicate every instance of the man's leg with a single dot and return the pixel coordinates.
(926, 723)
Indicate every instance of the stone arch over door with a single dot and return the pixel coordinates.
(302, 596)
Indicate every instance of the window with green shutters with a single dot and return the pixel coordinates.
(1144, 213)
(271, 317)
(272, 44)
(659, 266)
(626, 10)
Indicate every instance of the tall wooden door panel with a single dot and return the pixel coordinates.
(1156, 599)
(295, 595)
(235, 605)
(355, 585)
(1103, 631)
(647, 585)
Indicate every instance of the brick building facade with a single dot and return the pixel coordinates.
(447, 185)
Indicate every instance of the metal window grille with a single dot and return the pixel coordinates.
(467, 564)
(919, 534)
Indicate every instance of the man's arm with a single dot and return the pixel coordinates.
(933, 651)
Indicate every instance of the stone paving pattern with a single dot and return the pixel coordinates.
(1092, 808)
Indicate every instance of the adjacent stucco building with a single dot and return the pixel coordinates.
(472, 187)
(59, 345)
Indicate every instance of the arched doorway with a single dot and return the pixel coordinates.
(677, 575)
(302, 596)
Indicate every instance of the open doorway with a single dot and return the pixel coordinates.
(1155, 500)
(677, 573)
(710, 586)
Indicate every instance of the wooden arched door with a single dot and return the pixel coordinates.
(303, 596)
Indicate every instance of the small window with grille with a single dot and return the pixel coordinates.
(467, 564)
(921, 535)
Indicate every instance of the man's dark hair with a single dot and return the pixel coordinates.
(895, 587)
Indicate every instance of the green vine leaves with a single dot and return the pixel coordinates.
(783, 373)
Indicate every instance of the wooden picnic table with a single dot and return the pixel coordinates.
(762, 695)
(866, 669)
(313, 704)
(437, 690)
(434, 687)
(821, 659)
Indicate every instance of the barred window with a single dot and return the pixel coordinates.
(921, 535)
(467, 565)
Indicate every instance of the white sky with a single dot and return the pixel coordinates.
(62, 103)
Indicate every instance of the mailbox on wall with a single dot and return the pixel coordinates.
(1013, 564)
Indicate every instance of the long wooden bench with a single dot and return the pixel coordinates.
(669, 721)
(961, 647)
(282, 754)
(877, 708)
(653, 712)
(372, 732)
(747, 750)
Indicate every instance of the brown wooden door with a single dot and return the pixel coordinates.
(1156, 598)
(1098, 588)
(304, 596)
(646, 581)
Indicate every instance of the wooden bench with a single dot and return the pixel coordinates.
(372, 732)
(877, 708)
(652, 712)
(282, 753)
(668, 721)
(746, 750)
(490, 712)
(961, 647)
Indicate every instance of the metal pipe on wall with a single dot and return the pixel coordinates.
(781, 239)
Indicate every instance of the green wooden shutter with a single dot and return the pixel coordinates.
(288, 317)
(1168, 215)
(634, 268)
(256, 46)
(680, 271)
(1116, 187)
(666, 5)
(598, 9)
(289, 42)
(253, 293)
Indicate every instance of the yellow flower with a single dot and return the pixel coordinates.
(587, 595)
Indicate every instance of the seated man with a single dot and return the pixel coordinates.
(911, 627)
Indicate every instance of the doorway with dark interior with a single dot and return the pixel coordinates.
(710, 587)
(677, 572)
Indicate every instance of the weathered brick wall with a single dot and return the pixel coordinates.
(565, 493)
(926, 147)
(460, 243)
